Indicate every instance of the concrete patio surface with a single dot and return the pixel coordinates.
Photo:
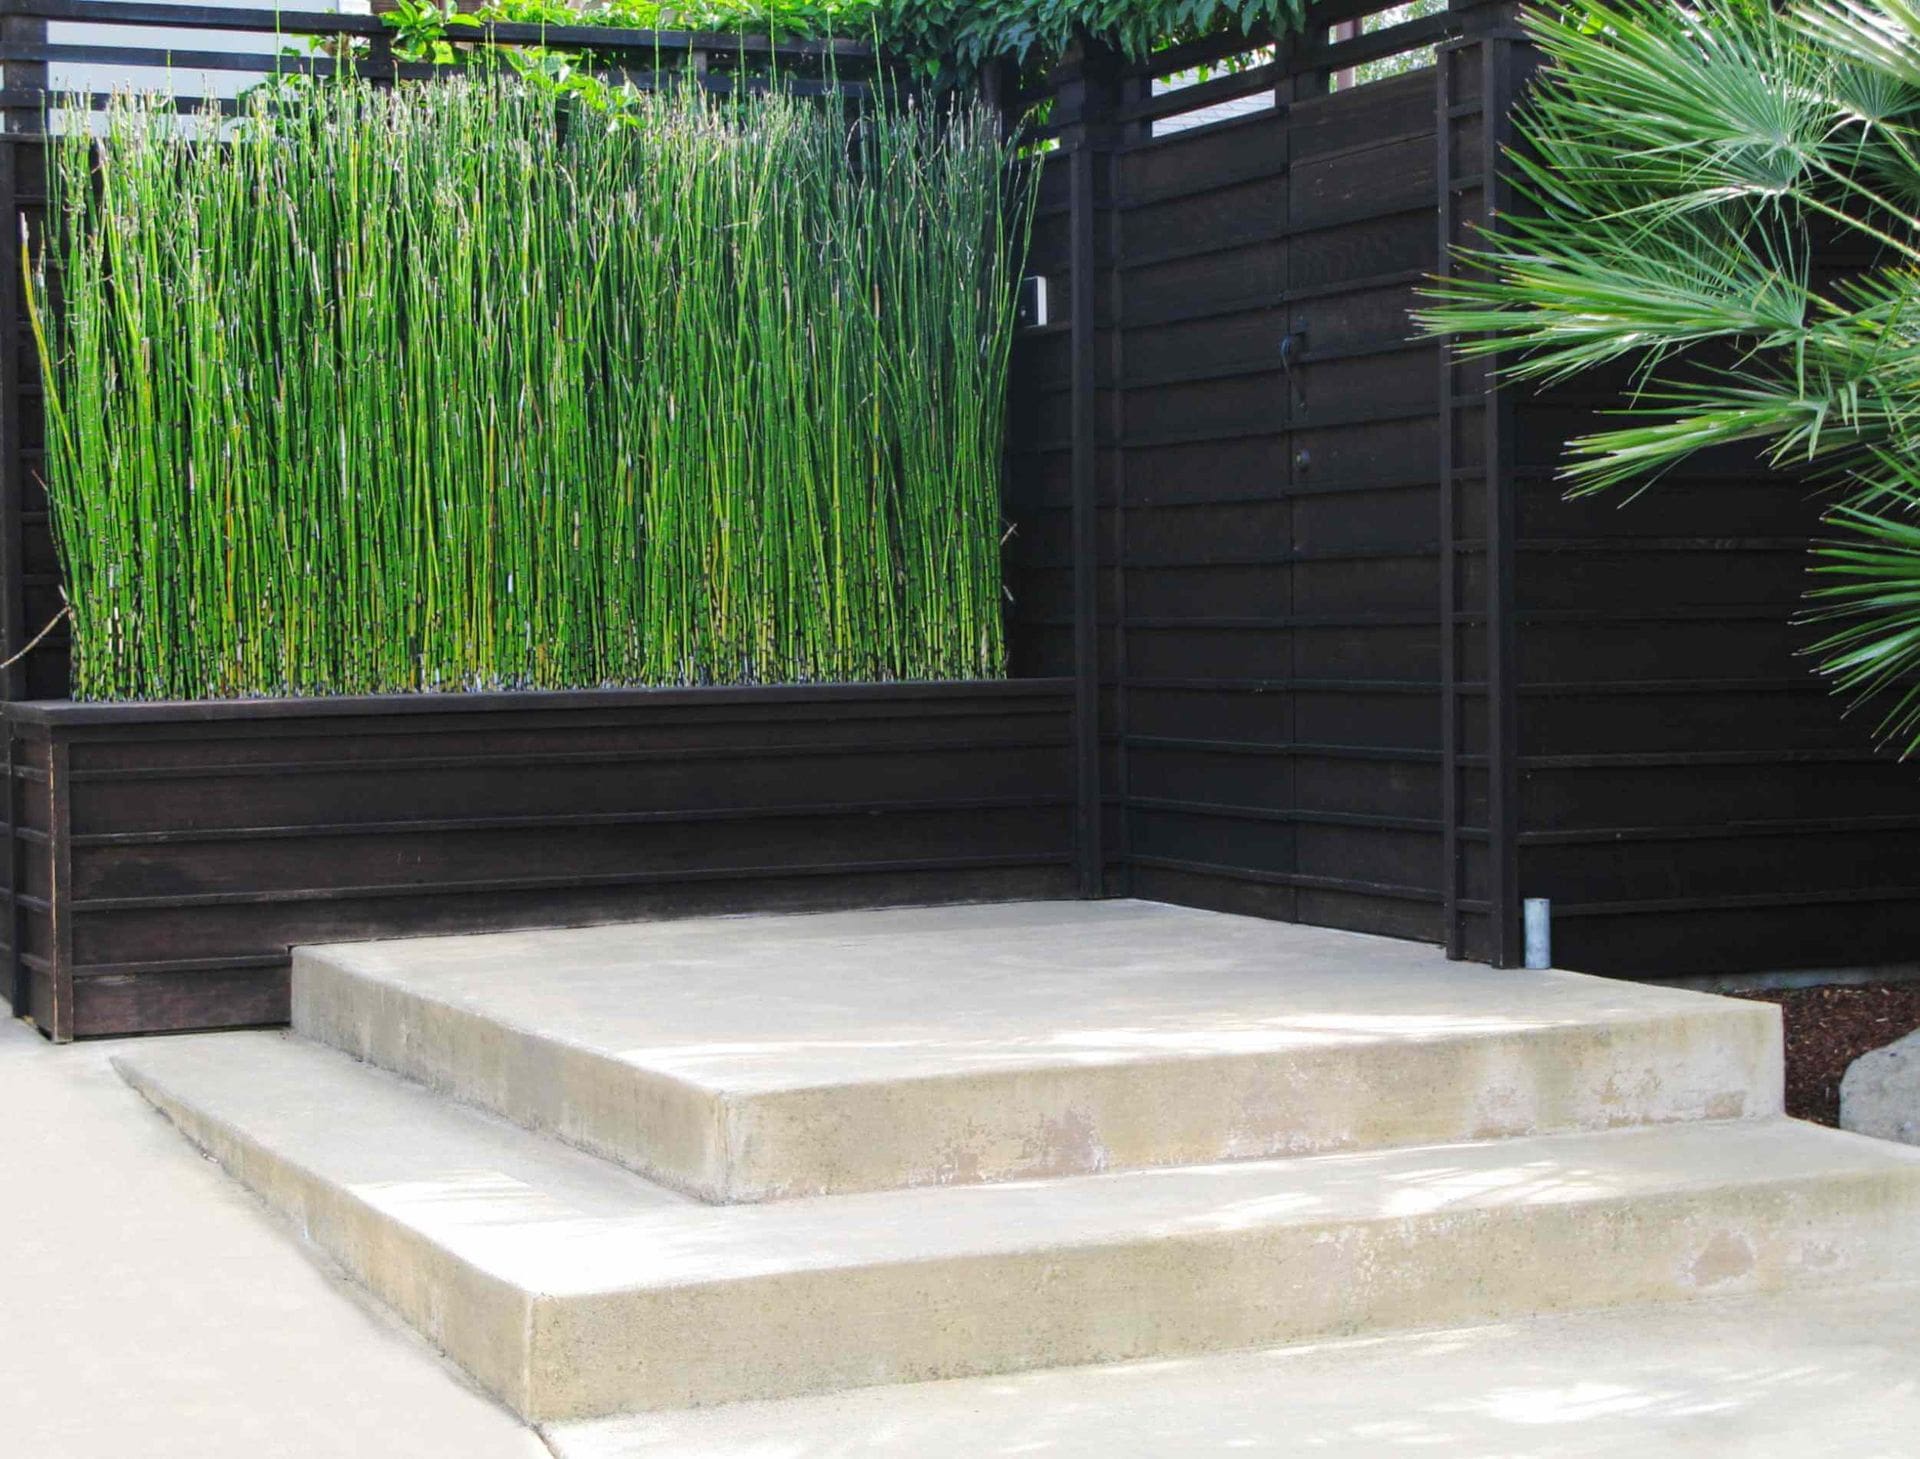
(1169, 1144)
(1824, 1376)
(150, 1308)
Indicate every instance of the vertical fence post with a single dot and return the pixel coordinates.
(57, 1020)
(23, 75)
(13, 973)
(1474, 129)
(1131, 88)
(382, 65)
(1448, 60)
(1503, 719)
(15, 77)
(1085, 99)
(999, 90)
(13, 678)
(19, 127)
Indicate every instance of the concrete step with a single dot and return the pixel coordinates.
(745, 1059)
(573, 1288)
(1807, 1375)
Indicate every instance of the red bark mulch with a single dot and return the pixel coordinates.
(1828, 1028)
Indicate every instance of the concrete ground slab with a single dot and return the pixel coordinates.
(1813, 1376)
(572, 1287)
(150, 1307)
(750, 1058)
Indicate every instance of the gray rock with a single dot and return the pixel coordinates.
(1881, 1094)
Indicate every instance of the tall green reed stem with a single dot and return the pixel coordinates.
(455, 387)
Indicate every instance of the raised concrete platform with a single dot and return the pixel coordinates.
(571, 1287)
(1825, 1375)
(744, 1059)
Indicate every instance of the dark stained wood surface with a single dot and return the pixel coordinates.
(1360, 664)
(166, 856)
(1264, 467)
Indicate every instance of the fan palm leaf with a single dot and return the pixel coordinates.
(1690, 174)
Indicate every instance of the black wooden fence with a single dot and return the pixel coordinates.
(1346, 655)
(1312, 632)
(1252, 502)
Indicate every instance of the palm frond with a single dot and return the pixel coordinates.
(1867, 581)
(1881, 37)
(1626, 291)
(1689, 173)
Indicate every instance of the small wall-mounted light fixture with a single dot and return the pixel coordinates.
(1035, 307)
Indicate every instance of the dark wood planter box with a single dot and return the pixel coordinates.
(165, 856)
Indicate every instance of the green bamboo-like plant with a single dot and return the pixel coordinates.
(462, 386)
(1692, 173)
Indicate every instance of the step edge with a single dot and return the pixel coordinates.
(188, 1112)
(1899, 1172)
(725, 1146)
(699, 1119)
(1714, 1008)
(232, 1146)
(1771, 1247)
(539, 1395)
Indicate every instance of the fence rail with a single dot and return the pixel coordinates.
(332, 23)
(79, 51)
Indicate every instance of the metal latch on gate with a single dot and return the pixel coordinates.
(1293, 349)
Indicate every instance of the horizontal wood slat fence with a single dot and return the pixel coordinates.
(166, 856)
(1301, 626)
(1345, 654)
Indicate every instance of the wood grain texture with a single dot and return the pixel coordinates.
(184, 848)
(1262, 477)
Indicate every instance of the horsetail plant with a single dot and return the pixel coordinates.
(459, 386)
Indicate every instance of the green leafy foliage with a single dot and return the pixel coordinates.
(962, 34)
(460, 386)
(1692, 174)
(422, 29)
(971, 32)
